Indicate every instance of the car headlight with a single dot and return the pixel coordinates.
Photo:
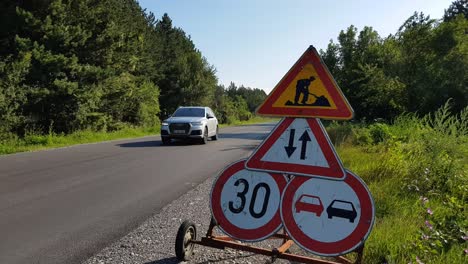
(165, 124)
(196, 123)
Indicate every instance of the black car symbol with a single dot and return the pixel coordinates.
(336, 208)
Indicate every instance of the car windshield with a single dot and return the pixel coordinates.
(194, 112)
(310, 200)
(342, 205)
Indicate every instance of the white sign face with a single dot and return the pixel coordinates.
(327, 217)
(250, 199)
(245, 204)
(298, 146)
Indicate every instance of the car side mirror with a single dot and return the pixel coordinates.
(209, 116)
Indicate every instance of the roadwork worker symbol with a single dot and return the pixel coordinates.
(302, 89)
(307, 90)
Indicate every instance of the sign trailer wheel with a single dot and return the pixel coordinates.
(186, 240)
(183, 245)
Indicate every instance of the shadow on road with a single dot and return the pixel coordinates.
(245, 147)
(262, 125)
(257, 135)
(156, 143)
(141, 144)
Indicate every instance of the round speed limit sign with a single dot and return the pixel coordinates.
(245, 203)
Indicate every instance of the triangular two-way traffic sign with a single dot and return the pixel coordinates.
(307, 90)
(298, 146)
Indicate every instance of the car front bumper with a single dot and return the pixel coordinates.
(192, 132)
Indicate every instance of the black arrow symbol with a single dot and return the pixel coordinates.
(290, 148)
(304, 138)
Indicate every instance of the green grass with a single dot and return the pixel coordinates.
(417, 172)
(253, 120)
(33, 142)
(39, 142)
(400, 217)
(401, 163)
(392, 232)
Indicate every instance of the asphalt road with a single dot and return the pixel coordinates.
(64, 205)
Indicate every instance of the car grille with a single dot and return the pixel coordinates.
(196, 132)
(179, 128)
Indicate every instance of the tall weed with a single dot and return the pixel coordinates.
(437, 154)
(339, 133)
(417, 171)
(434, 152)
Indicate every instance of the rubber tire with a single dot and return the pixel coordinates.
(215, 137)
(165, 140)
(204, 140)
(183, 248)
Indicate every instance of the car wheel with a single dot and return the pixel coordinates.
(183, 245)
(215, 137)
(204, 140)
(165, 140)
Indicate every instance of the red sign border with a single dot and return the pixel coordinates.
(249, 235)
(343, 109)
(335, 171)
(346, 245)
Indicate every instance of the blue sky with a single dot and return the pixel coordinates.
(254, 43)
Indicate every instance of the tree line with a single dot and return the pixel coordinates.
(417, 69)
(68, 65)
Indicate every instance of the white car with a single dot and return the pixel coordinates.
(190, 122)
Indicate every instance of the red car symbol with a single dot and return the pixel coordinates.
(309, 203)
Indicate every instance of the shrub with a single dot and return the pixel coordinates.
(36, 139)
(339, 133)
(361, 137)
(379, 132)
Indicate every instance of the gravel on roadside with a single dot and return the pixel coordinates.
(153, 241)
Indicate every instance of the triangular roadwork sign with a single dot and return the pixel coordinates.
(307, 90)
(298, 146)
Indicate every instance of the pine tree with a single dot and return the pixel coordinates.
(459, 7)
